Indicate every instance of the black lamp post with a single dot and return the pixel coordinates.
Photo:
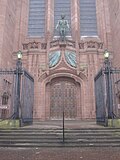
(108, 71)
(18, 82)
(63, 114)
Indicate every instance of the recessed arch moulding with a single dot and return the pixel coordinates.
(64, 73)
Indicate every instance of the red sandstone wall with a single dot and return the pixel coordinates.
(7, 28)
(114, 9)
(13, 26)
(103, 21)
(21, 23)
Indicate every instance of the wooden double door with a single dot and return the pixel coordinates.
(63, 98)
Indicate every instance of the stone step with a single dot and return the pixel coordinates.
(56, 136)
(25, 137)
(59, 133)
(70, 130)
(67, 130)
(60, 130)
(61, 144)
(79, 140)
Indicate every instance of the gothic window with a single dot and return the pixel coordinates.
(4, 113)
(5, 98)
(88, 22)
(36, 23)
(62, 7)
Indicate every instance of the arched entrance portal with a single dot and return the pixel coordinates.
(63, 96)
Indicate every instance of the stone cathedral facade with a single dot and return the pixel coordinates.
(63, 71)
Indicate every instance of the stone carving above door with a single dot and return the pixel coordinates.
(70, 58)
(54, 58)
(34, 45)
(90, 45)
(67, 43)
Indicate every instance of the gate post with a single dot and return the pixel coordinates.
(18, 85)
(63, 107)
(109, 86)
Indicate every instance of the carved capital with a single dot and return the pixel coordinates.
(90, 45)
(34, 45)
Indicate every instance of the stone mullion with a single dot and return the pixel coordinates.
(49, 17)
(75, 28)
(100, 19)
(74, 19)
(98, 15)
(50, 28)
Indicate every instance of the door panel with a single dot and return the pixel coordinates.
(63, 97)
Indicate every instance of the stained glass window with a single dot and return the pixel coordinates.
(88, 22)
(36, 23)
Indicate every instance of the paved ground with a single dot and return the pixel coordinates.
(60, 154)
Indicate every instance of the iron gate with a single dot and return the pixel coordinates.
(27, 97)
(7, 93)
(107, 94)
(10, 106)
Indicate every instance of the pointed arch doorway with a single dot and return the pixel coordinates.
(63, 96)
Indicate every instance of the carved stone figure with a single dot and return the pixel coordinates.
(62, 26)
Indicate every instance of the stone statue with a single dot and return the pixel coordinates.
(62, 26)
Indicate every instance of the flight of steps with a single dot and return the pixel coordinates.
(52, 137)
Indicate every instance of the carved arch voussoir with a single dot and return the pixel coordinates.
(79, 79)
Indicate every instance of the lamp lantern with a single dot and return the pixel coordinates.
(106, 54)
(19, 55)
